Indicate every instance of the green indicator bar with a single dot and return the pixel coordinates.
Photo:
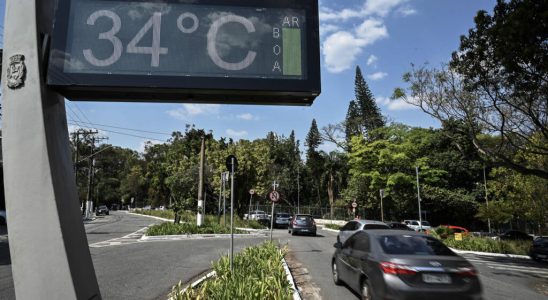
(292, 51)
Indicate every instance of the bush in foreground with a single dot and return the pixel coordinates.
(168, 228)
(258, 274)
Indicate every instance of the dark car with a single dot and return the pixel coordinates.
(102, 210)
(539, 249)
(302, 224)
(515, 235)
(397, 264)
(356, 225)
(398, 226)
(282, 219)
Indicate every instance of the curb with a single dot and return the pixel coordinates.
(157, 218)
(289, 276)
(490, 254)
(196, 236)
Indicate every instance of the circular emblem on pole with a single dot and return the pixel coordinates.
(229, 163)
(274, 196)
(354, 204)
(252, 192)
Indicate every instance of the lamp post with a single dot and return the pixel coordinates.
(382, 211)
(419, 198)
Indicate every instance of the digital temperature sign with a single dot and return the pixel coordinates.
(244, 51)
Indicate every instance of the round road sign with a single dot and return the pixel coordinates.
(252, 192)
(274, 196)
(354, 204)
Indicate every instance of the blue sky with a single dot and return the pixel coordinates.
(383, 37)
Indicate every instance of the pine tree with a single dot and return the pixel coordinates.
(314, 161)
(313, 140)
(370, 115)
(352, 122)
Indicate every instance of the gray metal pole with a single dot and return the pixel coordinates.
(40, 188)
(486, 199)
(219, 202)
(201, 211)
(419, 198)
(382, 211)
(298, 187)
(224, 199)
(232, 218)
(249, 209)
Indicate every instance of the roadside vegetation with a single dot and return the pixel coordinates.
(258, 274)
(168, 228)
(333, 226)
(481, 244)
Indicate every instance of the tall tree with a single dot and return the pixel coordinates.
(369, 113)
(313, 158)
(352, 122)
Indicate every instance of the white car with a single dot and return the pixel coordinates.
(257, 215)
(414, 224)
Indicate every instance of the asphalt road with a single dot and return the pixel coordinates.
(127, 268)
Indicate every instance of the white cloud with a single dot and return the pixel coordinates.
(234, 133)
(341, 48)
(144, 143)
(247, 117)
(192, 110)
(396, 104)
(405, 11)
(340, 51)
(372, 59)
(377, 76)
(379, 8)
(328, 28)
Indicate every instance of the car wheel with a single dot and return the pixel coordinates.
(365, 290)
(288, 230)
(335, 271)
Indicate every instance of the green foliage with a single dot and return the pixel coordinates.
(369, 114)
(168, 228)
(258, 274)
(472, 243)
(333, 226)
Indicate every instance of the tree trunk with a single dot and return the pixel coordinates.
(330, 194)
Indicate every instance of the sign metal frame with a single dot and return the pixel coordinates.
(190, 89)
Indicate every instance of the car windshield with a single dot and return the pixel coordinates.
(543, 241)
(413, 245)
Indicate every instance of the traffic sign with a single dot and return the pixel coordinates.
(229, 163)
(354, 204)
(274, 196)
(252, 192)
(208, 51)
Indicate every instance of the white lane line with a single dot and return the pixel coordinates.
(134, 235)
(515, 268)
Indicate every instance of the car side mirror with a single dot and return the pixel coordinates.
(338, 245)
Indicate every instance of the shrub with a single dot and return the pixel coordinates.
(333, 226)
(472, 243)
(258, 274)
(168, 228)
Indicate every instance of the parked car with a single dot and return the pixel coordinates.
(515, 235)
(3, 220)
(539, 249)
(398, 226)
(282, 219)
(356, 225)
(414, 224)
(256, 215)
(457, 229)
(102, 210)
(398, 264)
(302, 224)
(114, 206)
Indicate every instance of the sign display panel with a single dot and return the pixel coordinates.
(187, 51)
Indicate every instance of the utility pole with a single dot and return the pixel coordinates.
(419, 199)
(91, 173)
(200, 216)
(382, 211)
(298, 186)
(486, 199)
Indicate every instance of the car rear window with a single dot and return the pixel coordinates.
(283, 215)
(375, 226)
(425, 223)
(413, 245)
(303, 218)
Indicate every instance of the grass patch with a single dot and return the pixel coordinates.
(258, 274)
(168, 228)
(333, 226)
(472, 243)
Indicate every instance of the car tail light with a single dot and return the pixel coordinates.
(467, 272)
(397, 269)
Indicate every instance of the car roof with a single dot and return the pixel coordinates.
(370, 222)
(394, 232)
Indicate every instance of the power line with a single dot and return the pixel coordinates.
(124, 128)
(83, 114)
(123, 133)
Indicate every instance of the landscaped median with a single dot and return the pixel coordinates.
(259, 273)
